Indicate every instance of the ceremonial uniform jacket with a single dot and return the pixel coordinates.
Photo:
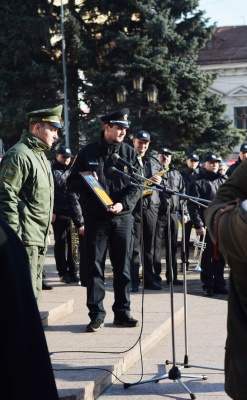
(27, 190)
(189, 175)
(173, 180)
(97, 157)
(150, 167)
(204, 186)
(234, 166)
(227, 224)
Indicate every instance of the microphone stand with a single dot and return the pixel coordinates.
(174, 373)
(186, 364)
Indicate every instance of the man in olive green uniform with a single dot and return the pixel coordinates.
(226, 219)
(26, 188)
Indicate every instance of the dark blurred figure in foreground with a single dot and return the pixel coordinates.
(25, 368)
(226, 218)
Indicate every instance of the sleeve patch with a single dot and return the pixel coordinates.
(10, 174)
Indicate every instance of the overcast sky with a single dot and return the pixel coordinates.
(225, 12)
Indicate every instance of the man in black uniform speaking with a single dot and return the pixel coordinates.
(113, 228)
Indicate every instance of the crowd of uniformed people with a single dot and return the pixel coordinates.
(140, 221)
(122, 201)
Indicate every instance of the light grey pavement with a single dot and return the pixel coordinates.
(82, 360)
(206, 338)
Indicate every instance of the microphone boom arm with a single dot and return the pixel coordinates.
(170, 191)
(135, 177)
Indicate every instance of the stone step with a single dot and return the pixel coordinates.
(85, 376)
(52, 312)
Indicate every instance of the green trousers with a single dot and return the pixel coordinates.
(36, 256)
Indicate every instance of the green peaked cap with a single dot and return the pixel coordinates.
(50, 115)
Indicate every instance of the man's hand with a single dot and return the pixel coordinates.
(200, 231)
(157, 179)
(185, 219)
(85, 173)
(53, 219)
(116, 208)
(81, 230)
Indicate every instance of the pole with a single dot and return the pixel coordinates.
(66, 117)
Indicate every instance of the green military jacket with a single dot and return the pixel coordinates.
(27, 191)
(226, 219)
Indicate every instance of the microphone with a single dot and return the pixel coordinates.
(117, 158)
(115, 171)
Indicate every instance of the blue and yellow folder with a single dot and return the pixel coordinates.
(98, 190)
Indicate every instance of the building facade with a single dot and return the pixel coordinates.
(226, 55)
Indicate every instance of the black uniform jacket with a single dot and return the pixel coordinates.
(60, 174)
(97, 157)
(189, 175)
(173, 180)
(204, 186)
(234, 166)
(151, 167)
(150, 198)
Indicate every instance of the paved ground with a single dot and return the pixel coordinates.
(86, 364)
(205, 349)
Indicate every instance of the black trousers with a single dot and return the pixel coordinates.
(212, 274)
(117, 235)
(163, 234)
(83, 261)
(144, 236)
(62, 247)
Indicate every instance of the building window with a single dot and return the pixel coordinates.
(209, 45)
(240, 117)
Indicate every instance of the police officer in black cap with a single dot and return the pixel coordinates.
(61, 220)
(242, 157)
(103, 228)
(205, 186)
(173, 180)
(145, 214)
(188, 174)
